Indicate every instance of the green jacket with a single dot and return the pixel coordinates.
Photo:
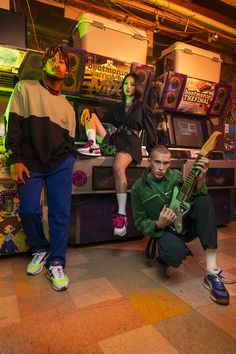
(147, 200)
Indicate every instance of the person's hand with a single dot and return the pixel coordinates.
(166, 217)
(85, 116)
(202, 165)
(17, 170)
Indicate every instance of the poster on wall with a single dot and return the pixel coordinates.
(197, 96)
(12, 237)
(103, 77)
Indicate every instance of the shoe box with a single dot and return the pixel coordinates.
(191, 61)
(103, 36)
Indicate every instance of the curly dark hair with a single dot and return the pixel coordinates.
(52, 51)
(138, 86)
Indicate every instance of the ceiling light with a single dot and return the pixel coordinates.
(156, 28)
(213, 37)
(156, 24)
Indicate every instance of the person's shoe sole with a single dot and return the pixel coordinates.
(89, 154)
(123, 234)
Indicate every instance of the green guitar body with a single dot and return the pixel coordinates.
(180, 209)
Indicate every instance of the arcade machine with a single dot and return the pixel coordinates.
(193, 101)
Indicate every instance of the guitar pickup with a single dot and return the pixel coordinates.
(183, 208)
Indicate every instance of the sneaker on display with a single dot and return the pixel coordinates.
(120, 225)
(218, 292)
(90, 149)
(57, 277)
(37, 263)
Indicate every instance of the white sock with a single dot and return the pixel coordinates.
(91, 134)
(121, 199)
(210, 255)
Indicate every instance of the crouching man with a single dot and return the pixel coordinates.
(151, 196)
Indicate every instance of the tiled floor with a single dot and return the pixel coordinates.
(118, 303)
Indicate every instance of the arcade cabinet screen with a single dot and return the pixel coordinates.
(188, 132)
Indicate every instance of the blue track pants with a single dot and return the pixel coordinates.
(58, 185)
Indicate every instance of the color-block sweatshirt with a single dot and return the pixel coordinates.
(40, 127)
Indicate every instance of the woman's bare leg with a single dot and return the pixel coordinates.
(92, 125)
(94, 131)
(122, 161)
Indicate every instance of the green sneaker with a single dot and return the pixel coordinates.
(57, 277)
(37, 263)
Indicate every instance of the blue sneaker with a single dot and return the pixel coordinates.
(218, 292)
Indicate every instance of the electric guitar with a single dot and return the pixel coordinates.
(179, 199)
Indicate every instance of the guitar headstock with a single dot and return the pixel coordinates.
(210, 144)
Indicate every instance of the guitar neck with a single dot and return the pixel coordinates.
(188, 185)
(190, 182)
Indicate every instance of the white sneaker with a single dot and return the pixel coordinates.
(37, 263)
(89, 149)
(57, 277)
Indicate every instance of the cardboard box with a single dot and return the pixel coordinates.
(192, 61)
(102, 36)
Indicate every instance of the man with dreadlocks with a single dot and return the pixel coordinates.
(40, 129)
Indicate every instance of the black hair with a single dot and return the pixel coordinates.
(138, 86)
(52, 51)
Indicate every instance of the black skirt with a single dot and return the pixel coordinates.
(127, 142)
